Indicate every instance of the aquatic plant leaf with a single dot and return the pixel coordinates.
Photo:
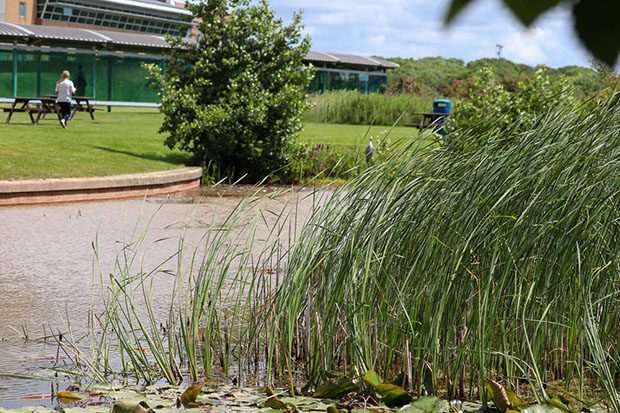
(559, 403)
(190, 394)
(274, 403)
(268, 391)
(334, 388)
(541, 408)
(410, 409)
(372, 378)
(471, 407)
(68, 395)
(425, 403)
(515, 401)
(500, 398)
(401, 380)
(393, 395)
(123, 406)
(441, 406)
(429, 387)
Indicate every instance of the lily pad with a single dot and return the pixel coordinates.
(274, 403)
(541, 408)
(372, 378)
(393, 395)
(332, 389)
(425, 403)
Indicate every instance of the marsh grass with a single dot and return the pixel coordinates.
(482, 261)
(497, 260)
(355, 108)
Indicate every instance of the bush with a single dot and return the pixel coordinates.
(484, 105)
(235, 97)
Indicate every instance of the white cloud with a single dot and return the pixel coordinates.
(527, 47)
(330, 18)
(414, 28)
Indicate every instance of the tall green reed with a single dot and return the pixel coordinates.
(352, 107)
(496, 259)
(466, 261)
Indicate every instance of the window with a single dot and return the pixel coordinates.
(67, 11)
(22, 9)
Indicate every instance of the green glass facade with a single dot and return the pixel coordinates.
(27, 72)
(343, 79)
(116, 77)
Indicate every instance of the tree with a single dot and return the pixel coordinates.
(235, 96)
(595, 21)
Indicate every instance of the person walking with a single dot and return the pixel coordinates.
(64, 90)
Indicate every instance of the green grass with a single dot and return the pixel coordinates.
(122, 142)
(352, 135)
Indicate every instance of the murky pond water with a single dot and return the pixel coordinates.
(48, 270)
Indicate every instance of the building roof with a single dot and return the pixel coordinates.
(151, 5)
(41, 34)
(35, 35)
(349, 59)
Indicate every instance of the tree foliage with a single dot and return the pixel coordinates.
(235, 97)
(438, 76)
(485, 106)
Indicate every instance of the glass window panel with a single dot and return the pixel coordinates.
(6, 73)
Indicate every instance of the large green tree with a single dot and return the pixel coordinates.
(234, 97)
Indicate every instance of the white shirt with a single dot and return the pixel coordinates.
(64, 90)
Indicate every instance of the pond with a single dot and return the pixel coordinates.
(52, 258)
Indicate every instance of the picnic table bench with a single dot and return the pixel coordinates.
(33, 105)
(82, 104)
(429, 120)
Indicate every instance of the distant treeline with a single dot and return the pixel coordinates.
(439, 76)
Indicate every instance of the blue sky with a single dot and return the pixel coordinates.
(413, 28)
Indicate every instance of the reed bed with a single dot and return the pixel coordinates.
(445, 266)
(499, 260)
(355, 108)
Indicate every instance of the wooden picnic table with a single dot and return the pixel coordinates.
(82, 104)
(429, 120)
(32, 105)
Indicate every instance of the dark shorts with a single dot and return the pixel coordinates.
(65, 108)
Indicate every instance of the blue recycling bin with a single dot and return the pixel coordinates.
(443, 106)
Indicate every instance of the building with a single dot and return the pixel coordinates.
(104, 43)
(144, 16)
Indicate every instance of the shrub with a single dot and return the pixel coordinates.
(235, 97)
(484, 105)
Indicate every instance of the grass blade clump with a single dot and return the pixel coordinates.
(467, 263)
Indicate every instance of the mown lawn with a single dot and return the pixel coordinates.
(123, 141)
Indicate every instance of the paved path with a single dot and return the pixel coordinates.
(42, 191)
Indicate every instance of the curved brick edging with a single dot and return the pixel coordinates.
(43, 191)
